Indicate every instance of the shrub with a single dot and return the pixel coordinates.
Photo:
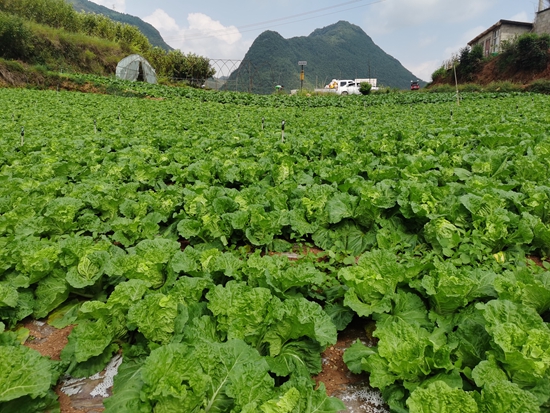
(365, 88)
(471, 87)
(89, 55)
(528, 52)
(506, 57)
(41, 69)
(439, 74)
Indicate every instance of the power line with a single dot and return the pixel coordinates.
(239, 29)
(300, 14)
(249, 28)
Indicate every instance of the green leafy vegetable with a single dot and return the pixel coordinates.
(24, 372)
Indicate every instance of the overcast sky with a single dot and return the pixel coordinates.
(421, 34)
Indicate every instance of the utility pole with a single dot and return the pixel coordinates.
(302, 63)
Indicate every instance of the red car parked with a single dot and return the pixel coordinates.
(415, 85)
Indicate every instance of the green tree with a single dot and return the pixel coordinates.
(191, 67)
(54, 13)
(157, 57)
(15, 37)
(532, 51)
(61, 15)
(469, 62)
(528, 52)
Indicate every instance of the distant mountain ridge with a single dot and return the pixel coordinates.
(147, 29)
(339, 51)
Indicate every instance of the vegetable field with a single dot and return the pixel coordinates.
(161, 228)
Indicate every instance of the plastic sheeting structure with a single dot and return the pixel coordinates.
(131, 66)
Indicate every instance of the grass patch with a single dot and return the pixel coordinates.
(504, 87)
(539, 86)
(441, 89)
(13, 66)
(470, 87)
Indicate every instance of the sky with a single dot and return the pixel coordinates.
(421, 34)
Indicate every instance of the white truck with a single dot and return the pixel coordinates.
(347, 86)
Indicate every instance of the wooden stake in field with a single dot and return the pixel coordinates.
(456, 84)
(283, 131)
(22, 135)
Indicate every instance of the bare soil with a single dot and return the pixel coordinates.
(335, 374)
(353, 389)
(491, 73)
(537, 261)
(47, 340)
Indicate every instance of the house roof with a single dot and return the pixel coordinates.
(499, 24)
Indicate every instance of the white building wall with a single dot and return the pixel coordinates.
(542, 22)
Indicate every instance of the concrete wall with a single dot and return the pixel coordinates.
(542, 22)
(509, 33)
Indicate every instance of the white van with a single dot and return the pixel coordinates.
(348, 87)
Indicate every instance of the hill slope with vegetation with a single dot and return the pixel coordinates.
(341, 51)
(522, 64)
(52, 35)
(147, 29)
